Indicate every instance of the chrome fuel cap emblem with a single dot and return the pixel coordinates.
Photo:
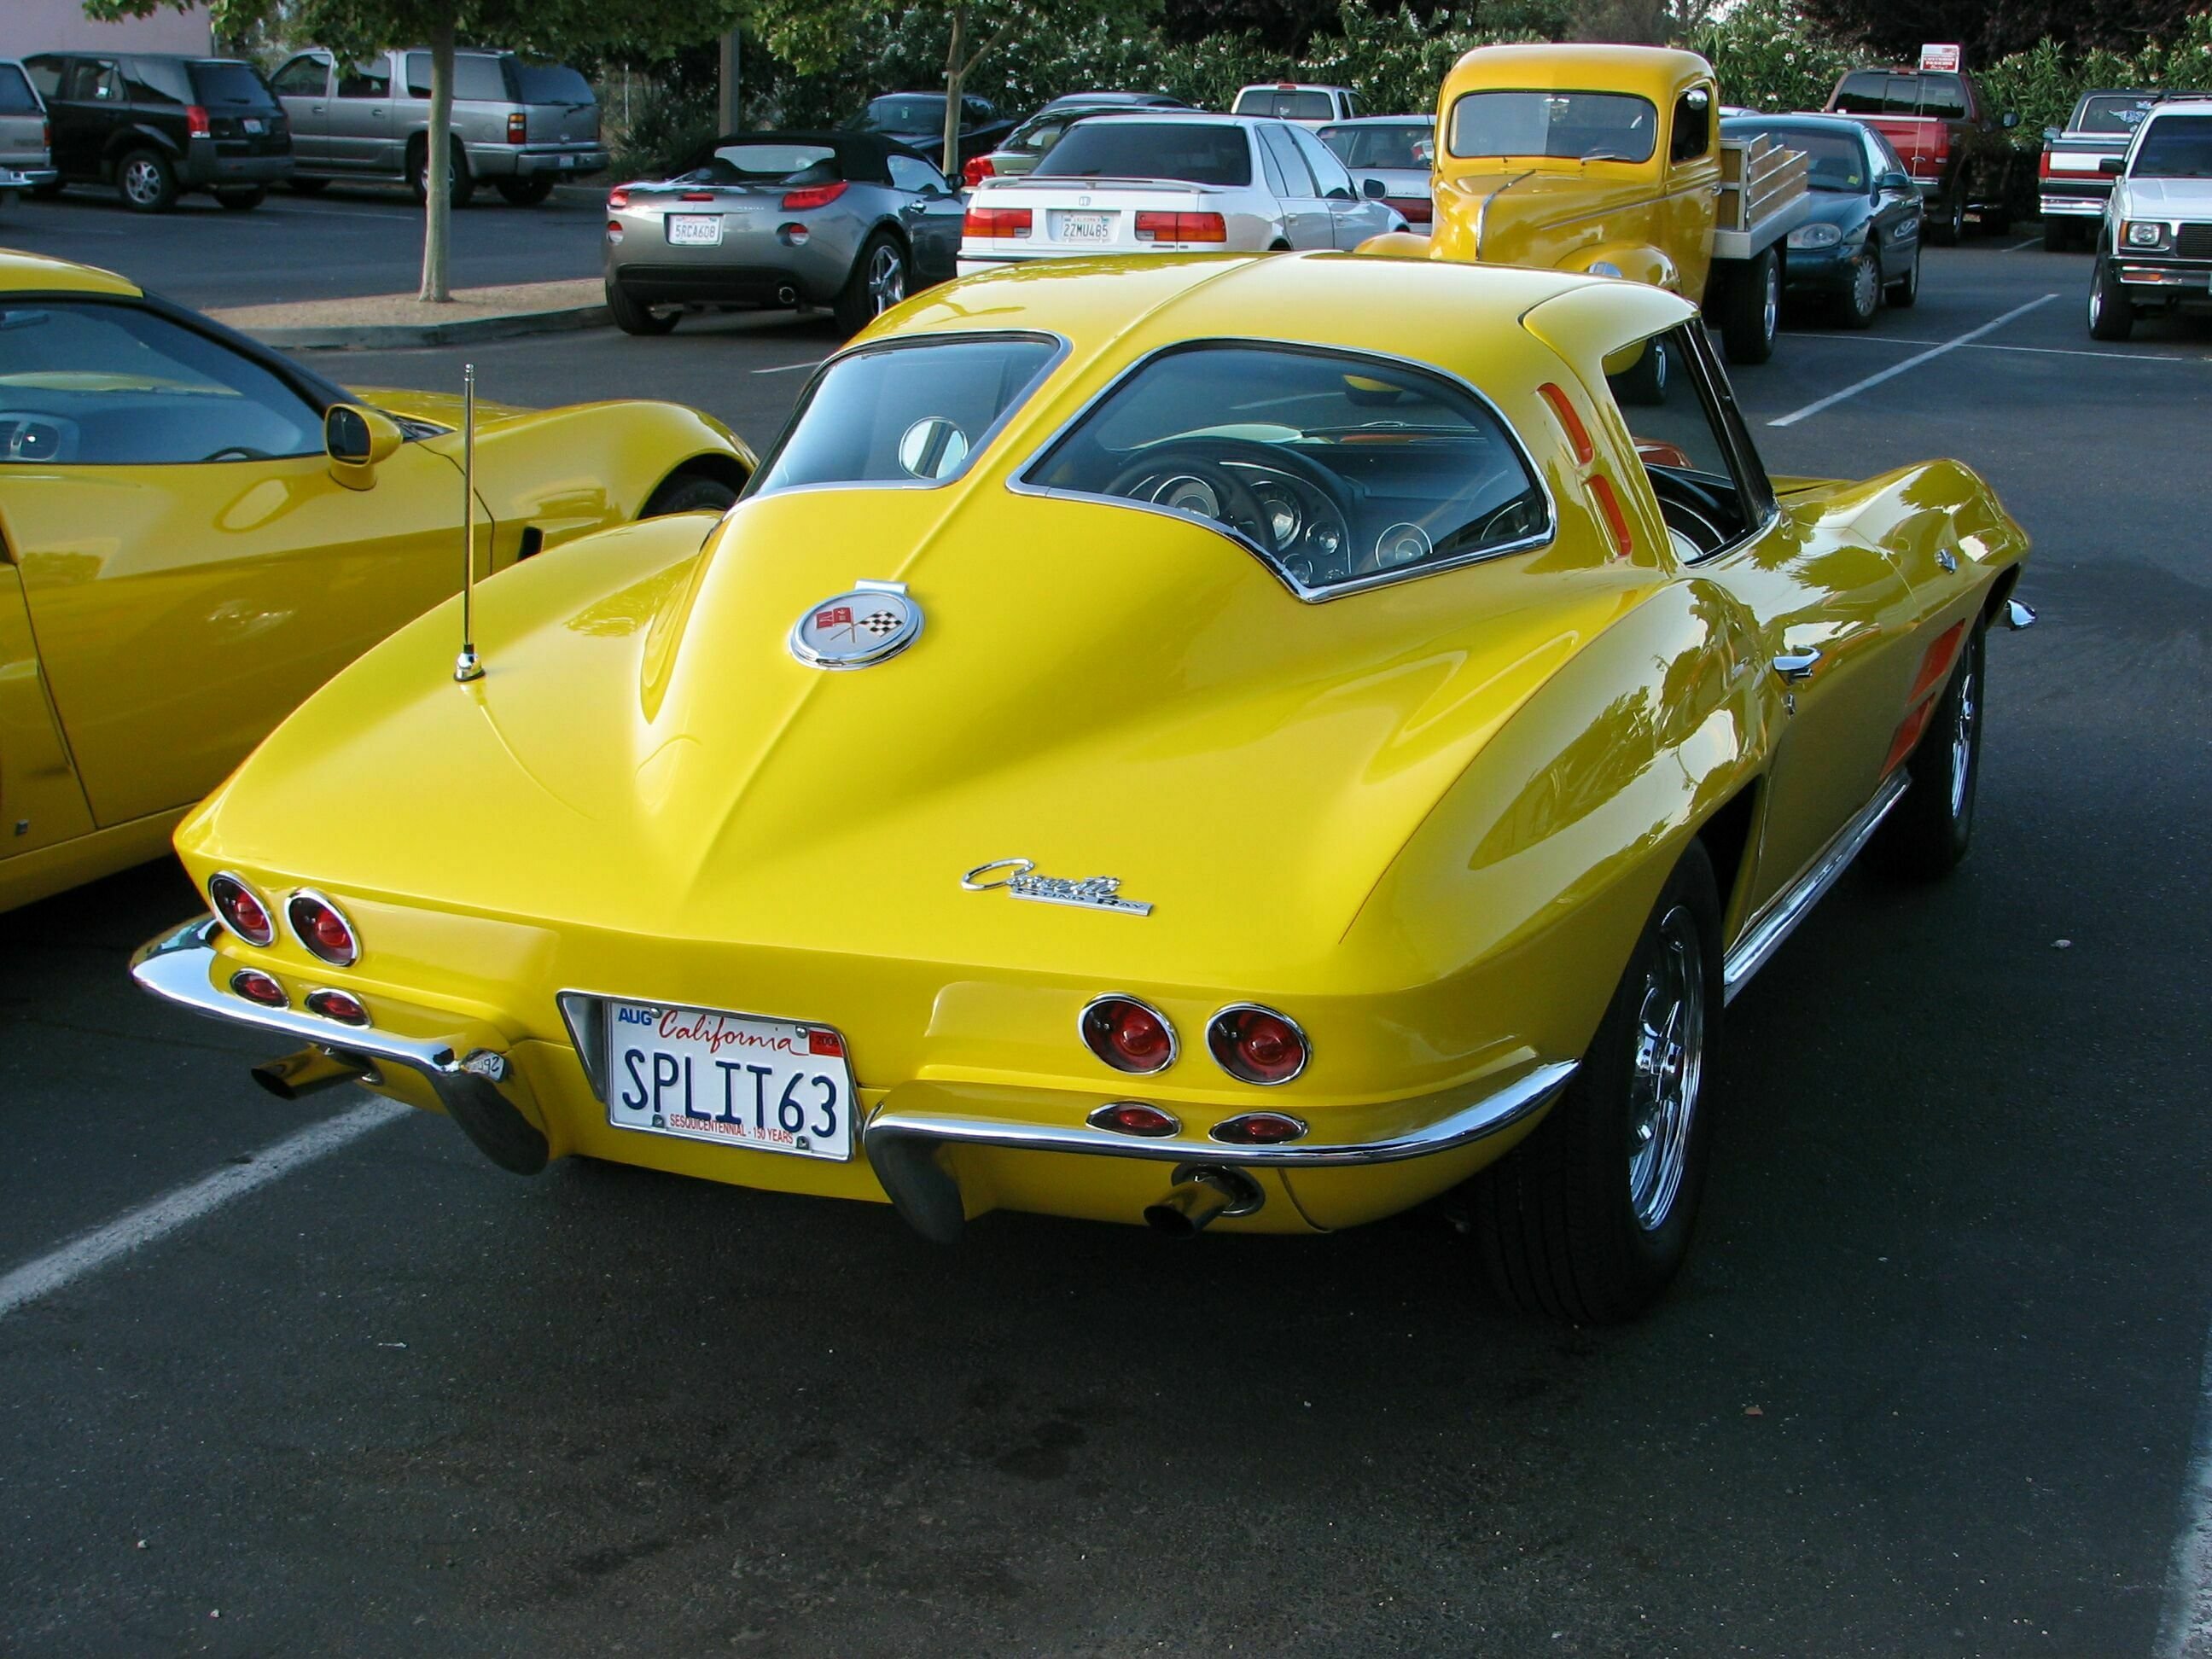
(867, 624)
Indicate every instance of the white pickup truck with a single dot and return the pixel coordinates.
(1162, 182)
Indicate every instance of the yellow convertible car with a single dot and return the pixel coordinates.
(182, 558)
(1125, 759)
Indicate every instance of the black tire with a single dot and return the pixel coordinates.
(1927, 831)
(1946, 225)
(2057, 234)
(242, 199)
(46, 192)
(2112, 317)
(457, 160)
(867, 293)
(686, 491)
(1994, 221)
(1645, 383)
(527, 192)
(1903, 292)
(1559, 1223)
(147, 181)
(1752, 311)
(631, 318)
(299, 185)
(1857, 306)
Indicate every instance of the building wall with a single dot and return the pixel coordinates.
(29, 26)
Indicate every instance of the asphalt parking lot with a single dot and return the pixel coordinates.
(1934, 1382)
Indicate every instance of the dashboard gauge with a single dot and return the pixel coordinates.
(1402, 545)
(1284, 518)
(1184, 493)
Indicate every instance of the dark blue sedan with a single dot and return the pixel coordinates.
(1863, 238)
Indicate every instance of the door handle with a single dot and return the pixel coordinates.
(1797, 665)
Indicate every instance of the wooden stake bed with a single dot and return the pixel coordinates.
(1763, 196)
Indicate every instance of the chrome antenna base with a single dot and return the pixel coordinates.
(467, 668)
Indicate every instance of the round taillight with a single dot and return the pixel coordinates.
(1127, 1035)
(1133, 1117)
(257, 987)
(316, 924)
(1257, 1045)
(1258, 1129)
(337, 1005)
(241, 909)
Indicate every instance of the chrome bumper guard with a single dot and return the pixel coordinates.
(466, 1074)
(903, 1146)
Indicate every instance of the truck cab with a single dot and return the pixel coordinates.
(1960, 154)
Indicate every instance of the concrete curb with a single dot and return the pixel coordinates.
(382, 336)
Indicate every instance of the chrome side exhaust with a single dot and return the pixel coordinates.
(787, 296)
(1201, 1196)
(298, 1075)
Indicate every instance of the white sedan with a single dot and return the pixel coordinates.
(1160, 182)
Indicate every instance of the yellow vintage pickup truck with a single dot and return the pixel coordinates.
(1609, 160)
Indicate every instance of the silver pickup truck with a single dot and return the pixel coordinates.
(25, 159)
(2155, 246)
(522, 126)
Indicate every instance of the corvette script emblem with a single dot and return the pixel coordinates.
(872, 622)
(1020, 880)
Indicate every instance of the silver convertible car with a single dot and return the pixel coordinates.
(845, 219)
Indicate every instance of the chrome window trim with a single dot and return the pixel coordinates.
(1305, 1046)
(1175, 1041)
(1062, 349)
(1019, 482)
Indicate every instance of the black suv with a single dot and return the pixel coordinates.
(155, 126)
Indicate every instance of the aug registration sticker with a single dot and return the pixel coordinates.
(765, 1084)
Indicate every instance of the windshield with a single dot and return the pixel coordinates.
(1340, 470)
(1404, 146)
(1586, 126)
(1187, 150)
(908, 412)
(766, 164)
(547, 83)
(919, 112)
(2174, 147)
(1286, 105)
(1837, 161)
(2120, 116)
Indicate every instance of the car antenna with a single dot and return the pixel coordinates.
(466, 667)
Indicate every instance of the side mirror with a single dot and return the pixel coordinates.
(1372, 188)
(1897, 181)
(2115, 165)
(358, 440)
(2010, 120)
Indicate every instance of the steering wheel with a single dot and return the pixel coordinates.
(1204, 458)
(1691, 509)
(237, 453)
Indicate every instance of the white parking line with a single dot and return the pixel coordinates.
(1896, 369)
(786, 369)
(2186, 1632)
(95, 1249)
(1857, 338)
(2029, 241)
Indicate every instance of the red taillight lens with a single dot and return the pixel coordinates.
(1182, 227)
(617, 198)
(1258, 1129)
(1418, 210)
(241, 909)
(317, 925)
(337, 1005)
(2043, 165)
(995, 221)
(196, 122)
(518, 127)
(1256, 1045)
(257, 987)
(978, 169)
(814, 195)
(1127, 1035)
(1133, 1117)
(697, 195)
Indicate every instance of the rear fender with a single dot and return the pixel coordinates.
(1637, 261)
(129, 138)
(587, 467)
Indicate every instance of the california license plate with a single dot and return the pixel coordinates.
(695, 230)
(568, 160)
(768, 1085)
(1087, 227)
(253, 124)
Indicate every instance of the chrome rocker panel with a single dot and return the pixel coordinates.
(1779, 919)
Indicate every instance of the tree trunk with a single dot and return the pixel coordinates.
(438, 203)
(956, 77)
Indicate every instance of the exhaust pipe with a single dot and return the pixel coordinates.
(297, 1076)
(1201, 1196)
(787, 296)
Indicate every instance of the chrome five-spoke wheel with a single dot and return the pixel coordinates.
(1668, 1069)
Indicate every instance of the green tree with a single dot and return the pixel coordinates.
(555, 27)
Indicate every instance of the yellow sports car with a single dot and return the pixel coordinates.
(1235, 740)
(182, 559)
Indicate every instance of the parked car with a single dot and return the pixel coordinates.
(1167, 181)
(1019, 151)
(1404, 770)
(26, 152)
(1297, 100)
(845, 219)
(2155, 246)
(1861, 241)
(155, 126)
(2071, 182)
(1955, 148)
(916, 119)
(199, 532)
(522, 126)
(1391, 156)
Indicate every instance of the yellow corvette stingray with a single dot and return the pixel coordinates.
(181, 561)
(1259, 742)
